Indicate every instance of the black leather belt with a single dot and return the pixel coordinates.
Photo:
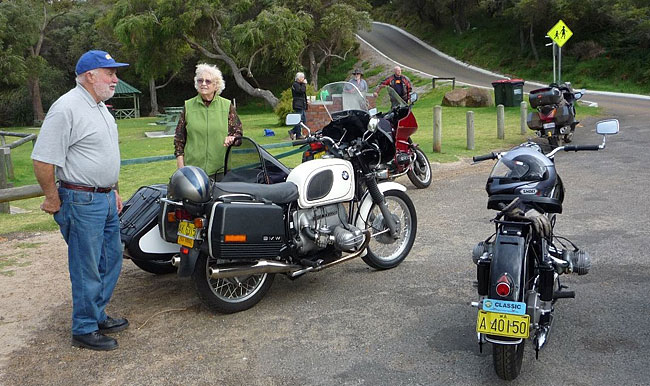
(83, 188)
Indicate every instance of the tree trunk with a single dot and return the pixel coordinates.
(313, 67)
(153, 94)
(532, 44)
(522, 41)
(37, 104)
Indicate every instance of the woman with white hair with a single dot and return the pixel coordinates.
(299, 93)
(207, 125)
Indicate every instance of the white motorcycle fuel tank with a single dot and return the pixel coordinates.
(323, 182)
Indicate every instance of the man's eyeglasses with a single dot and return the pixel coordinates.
(206, 81)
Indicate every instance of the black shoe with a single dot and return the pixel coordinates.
(94, 341)
(112, 325)
(291, 135)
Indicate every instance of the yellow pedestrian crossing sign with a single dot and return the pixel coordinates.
(560, 33)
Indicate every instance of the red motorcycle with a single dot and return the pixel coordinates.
(555, 118)
(399, 120)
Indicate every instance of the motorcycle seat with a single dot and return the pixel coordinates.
(280, 193)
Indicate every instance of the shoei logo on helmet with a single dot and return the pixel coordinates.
(528, 191)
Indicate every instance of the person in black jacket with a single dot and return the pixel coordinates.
(299, 93)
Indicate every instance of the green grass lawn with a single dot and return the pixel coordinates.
(256, 118)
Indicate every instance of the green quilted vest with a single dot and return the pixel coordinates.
(207, 128)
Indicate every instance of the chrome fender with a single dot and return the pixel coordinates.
(366, 203)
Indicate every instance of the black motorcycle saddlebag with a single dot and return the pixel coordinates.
(246, 230)
(544, 96)
(139, 215)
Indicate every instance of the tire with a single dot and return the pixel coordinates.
(383, 251)
(229, 295)
(157, 267)
(507, 359)
(420, 171)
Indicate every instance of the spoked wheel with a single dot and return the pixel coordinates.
(420, 172)
(385, 252)
(229, 295)
(507, 359)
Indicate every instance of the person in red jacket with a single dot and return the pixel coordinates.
(400, 83)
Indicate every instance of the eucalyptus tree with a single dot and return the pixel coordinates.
(26, 24)
(158, 52)
(249, 37)
(335, 24)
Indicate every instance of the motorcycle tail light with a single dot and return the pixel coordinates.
(316, 146)
(503, 286)
(171, 217)
(185, 250)
(198, 222)
(182, 214)
(549, 116)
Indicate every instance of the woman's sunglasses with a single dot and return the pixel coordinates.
(206, 81)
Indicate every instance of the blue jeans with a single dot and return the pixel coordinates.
(91, 228)
(297, 129)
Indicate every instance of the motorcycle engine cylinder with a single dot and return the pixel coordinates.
(580, 260)
(348, 240)
(403, 158)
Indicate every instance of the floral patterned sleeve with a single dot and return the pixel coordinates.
(234, 125)
(180, 136)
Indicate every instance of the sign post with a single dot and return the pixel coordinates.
(560, 33)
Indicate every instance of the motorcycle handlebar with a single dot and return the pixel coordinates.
(580, 147)
(485, 157)
(301, 142)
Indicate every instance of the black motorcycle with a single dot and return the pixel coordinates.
(555, 115)
(518, 267)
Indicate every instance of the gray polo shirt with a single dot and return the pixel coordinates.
(79, 137)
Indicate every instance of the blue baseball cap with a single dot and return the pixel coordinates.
(96, 59)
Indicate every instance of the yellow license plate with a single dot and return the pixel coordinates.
(320, 154)
(186, 233)
(500, 324)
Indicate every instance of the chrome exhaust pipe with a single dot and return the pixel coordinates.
(176, 261)
(260, 267)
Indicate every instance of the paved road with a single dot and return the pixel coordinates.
(411, 325)
(412, 52)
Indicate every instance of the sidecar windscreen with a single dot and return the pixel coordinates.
(249, 162)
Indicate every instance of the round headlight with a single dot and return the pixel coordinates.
(372, 124)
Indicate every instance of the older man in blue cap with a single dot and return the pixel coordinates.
(77, 163)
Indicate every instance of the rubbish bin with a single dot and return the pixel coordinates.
(508, 92)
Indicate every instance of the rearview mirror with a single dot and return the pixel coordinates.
(414, 97)
(292, 119)
(607, 127)
(372, 112)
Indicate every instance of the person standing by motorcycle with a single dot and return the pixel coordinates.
(208, 125)
(400, 83)
(299, 105)
(78, 146)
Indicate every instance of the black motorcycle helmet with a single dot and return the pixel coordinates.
(525, 172)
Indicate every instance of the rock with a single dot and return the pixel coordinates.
(468, 97)
(455, 98)
(478, 97)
